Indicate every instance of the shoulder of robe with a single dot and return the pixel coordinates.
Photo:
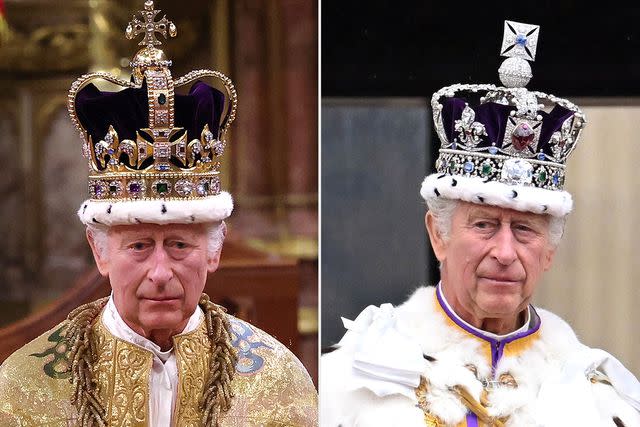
(270, 380)
(35, 386)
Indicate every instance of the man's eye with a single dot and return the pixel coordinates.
(522, 227)
(179, 245)
(483, 224)
(138, 246)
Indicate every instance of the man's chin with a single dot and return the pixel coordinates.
(161, 302)
(499, 285)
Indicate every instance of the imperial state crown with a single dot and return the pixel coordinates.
(505, 145)
(153, 154)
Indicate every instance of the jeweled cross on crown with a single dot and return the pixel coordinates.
(520, 40)
(150, 27)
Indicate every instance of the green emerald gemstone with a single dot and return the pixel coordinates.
(162, 187)
(113, 188)
(486, 169)
(542, 176)
(452, 166)
(162, 99)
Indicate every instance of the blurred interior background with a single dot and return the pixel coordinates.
(268, 49)
(380, 66)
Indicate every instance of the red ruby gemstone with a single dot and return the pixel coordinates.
(522, 136)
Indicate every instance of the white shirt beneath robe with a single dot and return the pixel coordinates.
(163, 383)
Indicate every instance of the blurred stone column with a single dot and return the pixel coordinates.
(275, 140)
(252, 184)
(275, 144)
(14, 274)
(46, 43)
(593, 283)
(300, 57)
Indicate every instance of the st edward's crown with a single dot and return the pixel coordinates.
(146, 142)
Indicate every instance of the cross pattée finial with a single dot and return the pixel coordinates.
(520, 40)
(149, 26)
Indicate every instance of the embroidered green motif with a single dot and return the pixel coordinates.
(57, 368)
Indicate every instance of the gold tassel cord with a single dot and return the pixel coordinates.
(476, 407)
(90, 411)
(217, 396)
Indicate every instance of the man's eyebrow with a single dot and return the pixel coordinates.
(480, 213)
(181, 236)
(531, 220)
(134, 236)
(183, 239)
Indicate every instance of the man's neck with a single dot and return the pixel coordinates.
(499, 326)
(495, 325)
(163, 338)
(153, 339)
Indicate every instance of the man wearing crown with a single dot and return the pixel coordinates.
(473, 351)
(156, 352)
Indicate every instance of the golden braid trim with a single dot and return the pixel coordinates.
(217, 396)
(222, 365)
(90, 411)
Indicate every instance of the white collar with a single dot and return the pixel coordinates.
(117, 326)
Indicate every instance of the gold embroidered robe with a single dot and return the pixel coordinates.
(271, 387)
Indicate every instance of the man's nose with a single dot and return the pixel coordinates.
(504, 245)
(160, 269)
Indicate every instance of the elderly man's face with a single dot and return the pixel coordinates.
(157, 273)
(492, 260)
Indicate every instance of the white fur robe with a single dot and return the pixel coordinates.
(370, 379)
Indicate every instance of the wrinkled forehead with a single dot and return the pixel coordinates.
(470, 211)
(158, 230)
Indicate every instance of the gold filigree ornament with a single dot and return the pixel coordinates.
(161, 161)
(421, 394)
(110, 376)
(479, 408)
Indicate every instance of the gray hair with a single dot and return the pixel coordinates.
(215, 236)
(442, 210)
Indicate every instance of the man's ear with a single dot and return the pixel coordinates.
(438, 243)
(98, 256)
(548, 258)
(213, 260)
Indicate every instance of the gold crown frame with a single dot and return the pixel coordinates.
(161, 162)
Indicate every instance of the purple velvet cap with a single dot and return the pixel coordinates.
(494, 118)
(128, 110)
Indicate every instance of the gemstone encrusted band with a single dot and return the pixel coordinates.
(146, 186)
(490, 167)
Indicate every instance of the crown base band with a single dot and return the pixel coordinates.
(129, 187)
(205, 210)
(475, 190)
(490, 167)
